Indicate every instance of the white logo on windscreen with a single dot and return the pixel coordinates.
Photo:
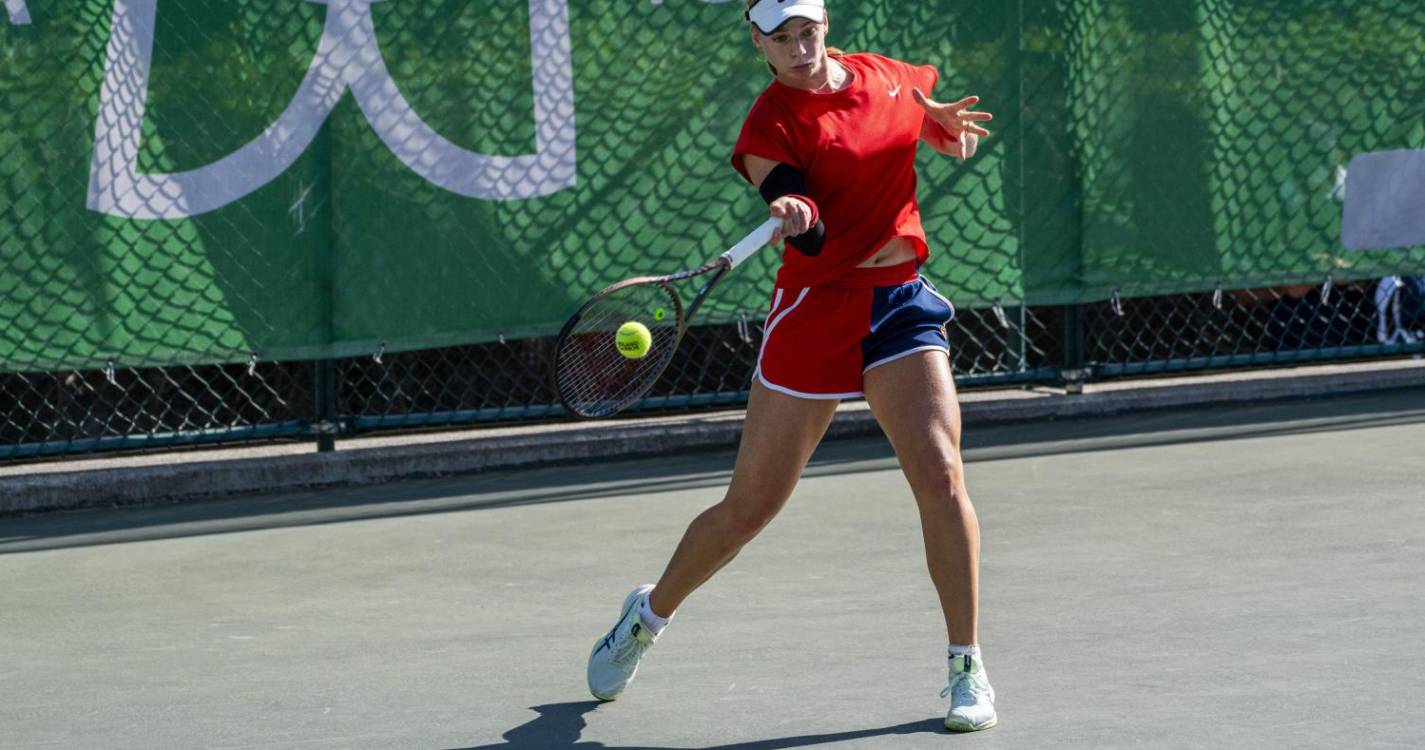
(348, 58)
(19, 14)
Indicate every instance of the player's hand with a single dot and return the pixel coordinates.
(795, 216)
(957, 119)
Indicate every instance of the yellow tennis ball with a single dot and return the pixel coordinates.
(633, 340)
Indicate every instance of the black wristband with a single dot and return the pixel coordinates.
(810, 241)
(786, 180)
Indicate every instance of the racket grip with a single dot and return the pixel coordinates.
(751, 243)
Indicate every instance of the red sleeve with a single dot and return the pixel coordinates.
(765, 135)
(926, 76)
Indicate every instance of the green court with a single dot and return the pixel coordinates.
(1226, 578)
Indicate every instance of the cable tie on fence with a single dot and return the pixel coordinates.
(1116, 302)
(1326, 288)
(500, 336)
(252, 365)
(1217, 296)
(743, 331)
(380, 352)
(109, 373)
(999, 314)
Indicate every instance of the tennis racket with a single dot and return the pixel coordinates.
(593, 379)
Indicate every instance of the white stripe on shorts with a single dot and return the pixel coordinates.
(799, 394)
(907, 353)
(772, 324)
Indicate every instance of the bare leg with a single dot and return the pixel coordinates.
(915, 403)
(777, 441)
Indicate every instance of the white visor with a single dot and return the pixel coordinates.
(769, 15)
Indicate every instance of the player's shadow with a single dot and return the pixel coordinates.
(559, 725)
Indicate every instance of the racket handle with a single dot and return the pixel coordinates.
(751, 243)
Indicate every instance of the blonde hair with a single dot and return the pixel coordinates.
(830, 51)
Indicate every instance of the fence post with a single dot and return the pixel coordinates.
(324, 238)
(325, 394)
(1075, 373)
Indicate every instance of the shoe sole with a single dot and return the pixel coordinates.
(628, 603)
(971, 727)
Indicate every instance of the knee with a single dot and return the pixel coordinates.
(939, 477)
(934, 459)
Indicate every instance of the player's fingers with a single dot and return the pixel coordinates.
(923, 100)
(795, 223)
(976, 129)
(976, 116)
(795, 217)
(965, 103)
(801, 216)
(777, 211)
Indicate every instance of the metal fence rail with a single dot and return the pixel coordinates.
(67, 413)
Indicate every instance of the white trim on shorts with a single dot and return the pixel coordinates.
(772, 322)
(947, 302)
(906, 353)
(815, 396)
(767, 336)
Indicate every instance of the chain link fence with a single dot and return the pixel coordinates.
(63, 413)
(254, 220)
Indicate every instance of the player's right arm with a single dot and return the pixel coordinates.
(795, 214)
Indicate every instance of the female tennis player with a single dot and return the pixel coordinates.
(831, 145)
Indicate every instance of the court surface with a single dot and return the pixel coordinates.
(1250, 577)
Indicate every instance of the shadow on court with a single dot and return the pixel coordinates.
(559, 726)
(691, 471)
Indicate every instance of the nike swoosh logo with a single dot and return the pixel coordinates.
(895, 91)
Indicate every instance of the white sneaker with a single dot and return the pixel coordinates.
(614, 660)
(972, 700)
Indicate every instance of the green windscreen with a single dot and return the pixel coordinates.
(205, 180)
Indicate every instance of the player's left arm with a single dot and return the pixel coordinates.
(952, 128)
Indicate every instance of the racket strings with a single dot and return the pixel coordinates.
(594, 379)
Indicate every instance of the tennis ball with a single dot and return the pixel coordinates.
(633, 340)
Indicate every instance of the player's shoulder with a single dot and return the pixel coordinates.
(771, 104)
(876, 62)
(889, 66)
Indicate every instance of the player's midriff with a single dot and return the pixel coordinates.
(896, 251)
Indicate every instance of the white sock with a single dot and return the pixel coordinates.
(651, 621)
(971, 651)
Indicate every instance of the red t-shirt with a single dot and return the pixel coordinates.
(856, 148)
